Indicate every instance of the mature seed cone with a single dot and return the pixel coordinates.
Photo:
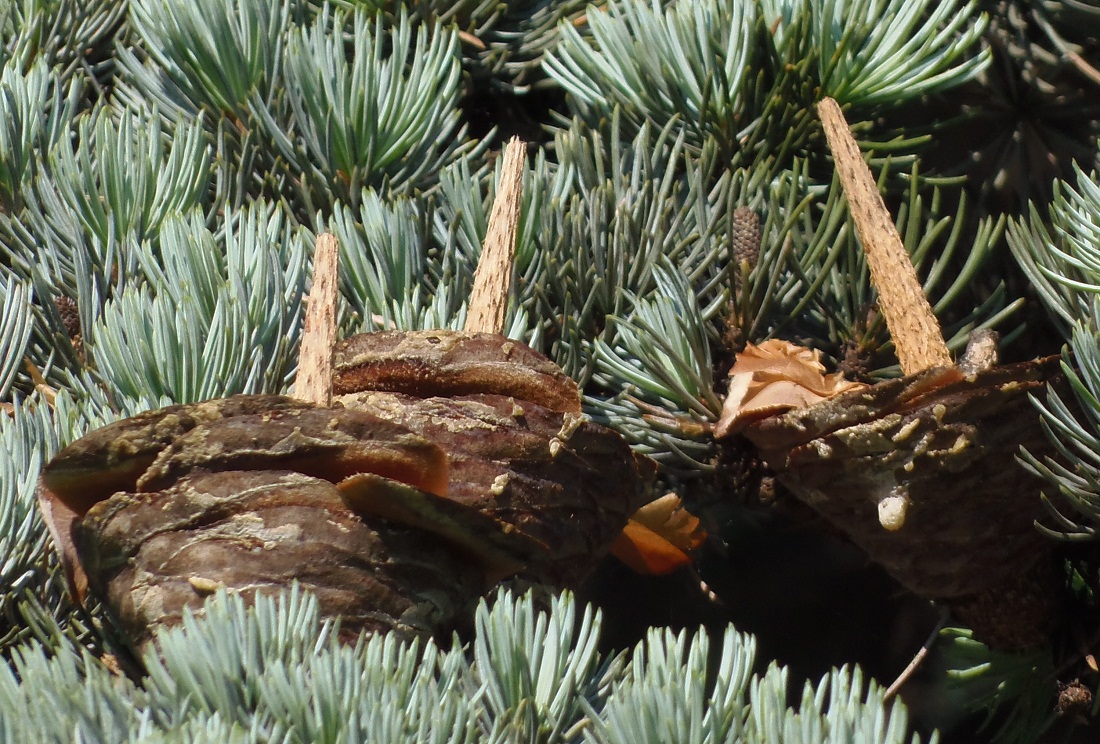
(154, 512)
(398, 508)
(921, 473)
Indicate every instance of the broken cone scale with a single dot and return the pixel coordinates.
(920, 472)
(659, 537)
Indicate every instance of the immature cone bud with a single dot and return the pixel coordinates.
(70, 316)
(70, 319)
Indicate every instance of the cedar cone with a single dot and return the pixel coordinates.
(455, 460)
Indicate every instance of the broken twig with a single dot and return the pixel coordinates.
(918, 658)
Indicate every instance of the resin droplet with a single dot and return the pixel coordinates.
(892, 509)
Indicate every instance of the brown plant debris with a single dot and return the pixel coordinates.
(773, 377)
(659, 537)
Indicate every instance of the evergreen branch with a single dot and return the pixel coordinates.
(79, 699)
(1063, 263)
(665, 696)
(667, 681)
(1072, 426)
(541, 671)
(409, 261)
(385, 116)
(474, 17)
(616, 206)
(24, 132)
(142, 84)
(406, 701)
(795, 252)
(26, 441)
(687, 61)
(63, 34)
(886, 51)
(275, 671)
(659, 358)
(122, 179)
(1015, 691)
(1062, 259)
(49, 347)
(244, 169)
(214, 53)
(29, 436)
(91, 204)
(504, 42)
(219, 316)
(384, 255)
(15, 330)
(692, 61)
(217, 664)
(519, 42)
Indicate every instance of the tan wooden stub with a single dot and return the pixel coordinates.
(493, 278)
(313, 383)
(913, 326)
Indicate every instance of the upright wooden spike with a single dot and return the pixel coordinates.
(913, 326)
(493, 278)
(313, 382)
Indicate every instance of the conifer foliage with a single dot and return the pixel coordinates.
(165, 166)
